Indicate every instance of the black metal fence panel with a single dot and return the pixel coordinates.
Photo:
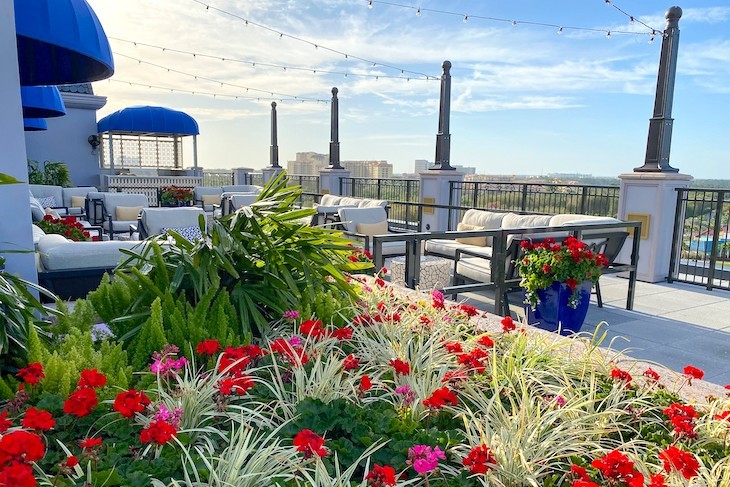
(701, 243)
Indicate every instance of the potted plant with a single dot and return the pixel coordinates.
(68, 226)
(557, 279)
(176, 196)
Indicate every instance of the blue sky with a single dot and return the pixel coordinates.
(525, 99)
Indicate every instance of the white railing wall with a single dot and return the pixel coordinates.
(149, 185)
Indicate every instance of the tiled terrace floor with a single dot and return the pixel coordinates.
(672, 324)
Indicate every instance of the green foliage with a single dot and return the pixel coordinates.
(111, 300)
(77, 351)
(49, 172)
(262, 255)
(331, 306)
(20, 312)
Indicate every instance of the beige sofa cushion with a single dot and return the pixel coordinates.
(380, 228)
(127, 213)
(78, 201)
(211, 199)
(489, 220)
(478, 241)
(447, 248)
(58, 253)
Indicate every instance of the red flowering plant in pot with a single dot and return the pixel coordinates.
(176, 196)
(68, 226)
(567, 270)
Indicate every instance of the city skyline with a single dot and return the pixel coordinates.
(526, 99)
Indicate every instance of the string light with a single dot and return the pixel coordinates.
(632, 19)
(268, 65)
(370, 4)
(560, 30)
(195, 76)
(217, 95)
(305, 41)
(514, 22)
(466, 19)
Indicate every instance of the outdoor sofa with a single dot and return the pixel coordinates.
(329, 205)
(66, 201)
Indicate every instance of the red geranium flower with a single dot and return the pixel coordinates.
(486, 341)
(469, 310)
(208, 347)
(89, 443)
(365, 383)
(233, 360)
(343, 333)
(72, 461)
(693, 373)
(351, 362)
(579, 472)
(722, 415)
(651, 374)
(21, 446)
(585, 483)
(617, 466)
(81, 402)
(453, 347)
(310, 443)
(657, 480)
(621, 375)
(18, 475)
(682, 417)
(680, 460)
(572, 283)
(91, 378)
(235, 385)
(380, 476)
(37, 419)
(401, 367)
(508, 324)
(440, 397)
(480, 459)
(32, 374)
(474, 360)
(312, 328)
(5, 423)
(129, 402)
(159, 432)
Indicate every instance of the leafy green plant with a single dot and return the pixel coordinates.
(49, 173)
(262, 255)
(20, 310)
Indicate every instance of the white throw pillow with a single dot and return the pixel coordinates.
(78, 201)
(189, 233)
(380, 228)
(211, 199)
(53, 213)
(478, 241)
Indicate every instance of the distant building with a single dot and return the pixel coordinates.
(421, 165)
(466, 169)
(307, 163)
(369, 169)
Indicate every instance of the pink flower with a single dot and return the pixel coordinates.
(424, 458)
(291, 315)
(295, 341)
(408, 395)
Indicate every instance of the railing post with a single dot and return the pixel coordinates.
(380, 181)
(715, 239)
(474, 188)
(524, 197)
(499, 256)
(583, 200)
(677, 235)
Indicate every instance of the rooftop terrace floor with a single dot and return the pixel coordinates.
(673, 324)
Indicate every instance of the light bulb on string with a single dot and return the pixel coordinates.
(560, 30)
(466, 19)
(651, 39)
(514, 23)
(632, 20)
(608, 34)
(370, 3)
(608, 2)
(418, 12)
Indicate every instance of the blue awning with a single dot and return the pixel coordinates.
(42, 102)
(60, 42)
(149, 121)
(34, 124)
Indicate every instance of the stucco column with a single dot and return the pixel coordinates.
(15, 219)
(240, 175)
(435, 189)
(651, 197)
(329, 181)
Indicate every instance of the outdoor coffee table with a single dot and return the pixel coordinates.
(435, 272)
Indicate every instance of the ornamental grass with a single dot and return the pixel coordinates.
(408, 392)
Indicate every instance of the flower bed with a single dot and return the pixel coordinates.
(408, 392)
(68, 226)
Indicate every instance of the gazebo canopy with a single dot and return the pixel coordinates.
(60, 42)
(42, 102)
(34, 124)
(149, 121)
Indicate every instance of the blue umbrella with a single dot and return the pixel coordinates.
(34, 124)
(147, 119)
(42, 102)
(60, 42)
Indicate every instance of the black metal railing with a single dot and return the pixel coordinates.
(701, 241)
(217, 178)
(381, 189)
(547, 198)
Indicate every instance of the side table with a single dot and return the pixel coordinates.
(435, 272)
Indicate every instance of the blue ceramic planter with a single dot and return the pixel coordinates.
(553, 311)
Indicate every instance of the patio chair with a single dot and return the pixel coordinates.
(120, 210)
(242, 188)
(207, 197)
(49, 196)
(75, 198)
(231, 201)
(363, 223)
(156, 221)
